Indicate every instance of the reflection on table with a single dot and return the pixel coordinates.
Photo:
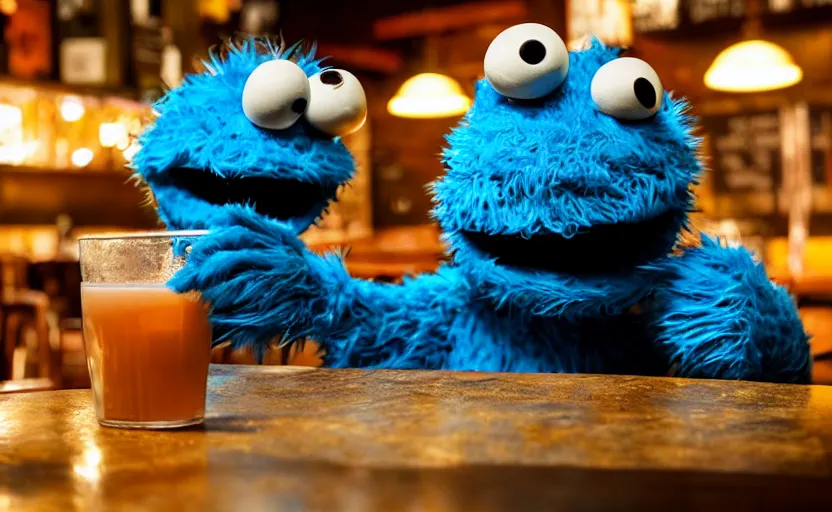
(313, 439)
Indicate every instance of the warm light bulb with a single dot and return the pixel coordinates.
(72, 109)
(429, 95)
(10, 117)
(8, 7)
(17, 154)
(753, 66)
(111, 134)
(131, 151)
(82, 157)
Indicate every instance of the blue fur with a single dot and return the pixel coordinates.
(720, 315)
(557, 166)
(201, 125)
(515, 169)
(258, 276)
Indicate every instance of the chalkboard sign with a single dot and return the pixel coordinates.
(680, 16)
(745, 152)
(820, 129)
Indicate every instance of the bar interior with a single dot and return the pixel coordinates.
(537, 406)
(78, 79)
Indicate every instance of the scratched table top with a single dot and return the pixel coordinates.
(283, 438)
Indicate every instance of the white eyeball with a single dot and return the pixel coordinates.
(627, 89)
(276, 94)
(526, 61)
(338, 105)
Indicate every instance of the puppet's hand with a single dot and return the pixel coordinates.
(720, 317)
(222, 257)
(251, 274)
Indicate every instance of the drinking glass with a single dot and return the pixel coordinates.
(147, 347)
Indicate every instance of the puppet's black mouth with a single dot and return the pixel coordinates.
(601, 249)
(282, 199)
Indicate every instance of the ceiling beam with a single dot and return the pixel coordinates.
(444, 19)
(366, 58)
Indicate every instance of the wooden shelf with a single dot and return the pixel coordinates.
(61, 88)
(49, 171)
(91, 198)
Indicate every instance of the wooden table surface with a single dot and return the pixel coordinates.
(283, 438)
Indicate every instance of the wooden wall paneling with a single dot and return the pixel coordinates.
(462, 53)
(400, 186)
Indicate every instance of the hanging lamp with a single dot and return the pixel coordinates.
(753, 65)
(429, 95)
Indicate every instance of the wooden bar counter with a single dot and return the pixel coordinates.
(284, 438)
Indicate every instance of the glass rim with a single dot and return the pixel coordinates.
(145, 234)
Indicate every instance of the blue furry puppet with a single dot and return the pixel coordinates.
(256, 134)
(567, 188)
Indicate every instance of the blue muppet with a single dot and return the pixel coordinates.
(258, 132)
(567, 188)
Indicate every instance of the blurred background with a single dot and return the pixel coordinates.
(77, 78)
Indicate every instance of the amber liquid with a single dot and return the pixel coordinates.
(147, 350)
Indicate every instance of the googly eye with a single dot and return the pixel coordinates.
(627, 89)
(276, 94)
(526, 61)
(338, 105)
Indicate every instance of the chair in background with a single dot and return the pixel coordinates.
(60, 278)
(24, 310)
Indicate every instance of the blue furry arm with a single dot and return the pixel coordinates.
(720, 317)
(262, 283)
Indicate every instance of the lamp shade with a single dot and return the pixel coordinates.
(429, 95)
(753, 66)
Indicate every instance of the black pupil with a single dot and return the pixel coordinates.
(299, 106)
(645, 92)
(532, 51)
(331, 78)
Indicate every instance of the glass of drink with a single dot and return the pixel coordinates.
(147, 347)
